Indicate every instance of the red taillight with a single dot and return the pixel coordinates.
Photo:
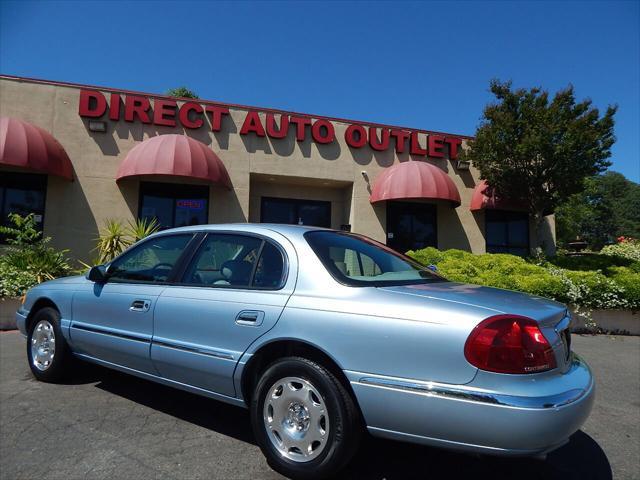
(509, 344)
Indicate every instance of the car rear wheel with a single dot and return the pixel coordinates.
(47, 350)
(304, 420)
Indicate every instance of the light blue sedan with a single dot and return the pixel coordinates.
(320, 334)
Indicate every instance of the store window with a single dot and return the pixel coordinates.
(296, 212)
(507, 232)
(411, 226)
(22, 193)
(174, 205)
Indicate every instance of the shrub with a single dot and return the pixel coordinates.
(629, 280)
(591, 261)
(590, 281)
(626, 248)
(596, 290)
(427, 256)
(28, 260)
(14, 282)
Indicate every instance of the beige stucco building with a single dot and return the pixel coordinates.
(326, 174)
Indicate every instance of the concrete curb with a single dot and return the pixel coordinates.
(609, 321)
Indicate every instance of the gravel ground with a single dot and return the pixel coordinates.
(107, 425)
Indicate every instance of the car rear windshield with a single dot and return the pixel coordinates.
(359, 261)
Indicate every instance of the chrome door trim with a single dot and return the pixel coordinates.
(113, 333)
(193, 349)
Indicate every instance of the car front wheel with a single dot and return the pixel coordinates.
(304, 420)
(47, 351)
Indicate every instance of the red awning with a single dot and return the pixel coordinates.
(414, 180)
(27, 146)
(176, 156)
(486, 197)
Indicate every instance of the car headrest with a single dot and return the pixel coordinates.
(236, 271)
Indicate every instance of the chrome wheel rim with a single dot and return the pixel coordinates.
(43, 345)
(296, 419)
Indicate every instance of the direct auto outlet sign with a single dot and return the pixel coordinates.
(191, 115)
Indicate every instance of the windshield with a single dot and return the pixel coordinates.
(359, 261)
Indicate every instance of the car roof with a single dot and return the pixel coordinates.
(284, 229)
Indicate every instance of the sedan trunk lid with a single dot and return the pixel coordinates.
(546, 312)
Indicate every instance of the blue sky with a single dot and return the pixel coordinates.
(422, 65)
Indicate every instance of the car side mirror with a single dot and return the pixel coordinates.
(98, 274)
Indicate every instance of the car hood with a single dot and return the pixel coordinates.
(494, 300)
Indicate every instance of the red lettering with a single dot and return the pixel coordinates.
(92, 104)
(272, 131)
(252, 124)
(316, 131)
(114, 107)
(454, 143)
(381, 145)
(416, 149)
(301, 123)
(435, 143)
(355, 136)
(164, 112)
(401, 137)
(185, 110)
(216, 116)
(137, 106)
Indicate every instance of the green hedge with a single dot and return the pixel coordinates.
(592, 281)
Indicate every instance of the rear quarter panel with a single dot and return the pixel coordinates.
(360, 329)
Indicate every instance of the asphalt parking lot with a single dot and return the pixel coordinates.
(107, 425)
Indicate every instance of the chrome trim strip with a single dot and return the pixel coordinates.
(125, 336)
(187, 348)
(462, 393)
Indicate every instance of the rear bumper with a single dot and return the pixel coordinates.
(478, 419)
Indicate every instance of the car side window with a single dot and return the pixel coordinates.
(224, 260)
(270, 268)
(150, 262)
(237, 261)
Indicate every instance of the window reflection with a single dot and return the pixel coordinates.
(22, 193)
(507, 232)
(174, 205)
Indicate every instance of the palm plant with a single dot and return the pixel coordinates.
(141, 228)
(112, 241)
(115, 238)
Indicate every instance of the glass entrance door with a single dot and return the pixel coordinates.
(295, 212)
(411, 226)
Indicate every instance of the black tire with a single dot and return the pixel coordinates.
(60, 364)
(345, 430)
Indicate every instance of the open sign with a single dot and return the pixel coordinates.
(190, 204)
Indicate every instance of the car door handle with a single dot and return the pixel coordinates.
(140, 305)
(253, 318)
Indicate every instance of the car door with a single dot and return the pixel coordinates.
(113, 321)
(232, 292)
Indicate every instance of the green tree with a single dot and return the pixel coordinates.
(538, 150)
(607, 208)
(181, 92)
